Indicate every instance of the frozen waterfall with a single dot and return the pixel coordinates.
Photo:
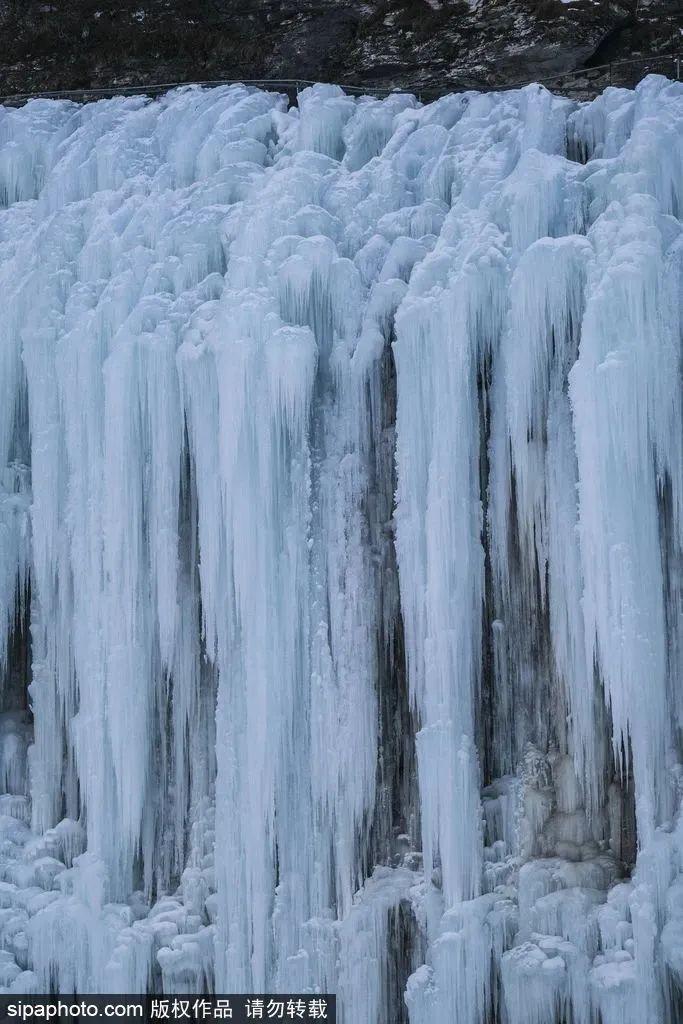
(341, 551)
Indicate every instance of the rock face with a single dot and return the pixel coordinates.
(422, 45)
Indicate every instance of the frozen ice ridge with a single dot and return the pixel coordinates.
(341, 551)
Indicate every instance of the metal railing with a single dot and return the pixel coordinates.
(614, 71)
(586, 79)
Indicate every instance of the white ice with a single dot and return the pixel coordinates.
(341, 551)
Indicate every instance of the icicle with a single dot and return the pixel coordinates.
(341, 523)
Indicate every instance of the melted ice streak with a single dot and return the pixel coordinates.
(208, 302)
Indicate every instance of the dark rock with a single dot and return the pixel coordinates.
(428, 46)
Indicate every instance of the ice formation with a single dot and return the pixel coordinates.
(341, 551)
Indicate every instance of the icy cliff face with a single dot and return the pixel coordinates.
(341, 551)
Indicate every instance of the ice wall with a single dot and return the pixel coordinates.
(341, 551)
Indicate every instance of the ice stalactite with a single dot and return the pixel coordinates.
(341, 551)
